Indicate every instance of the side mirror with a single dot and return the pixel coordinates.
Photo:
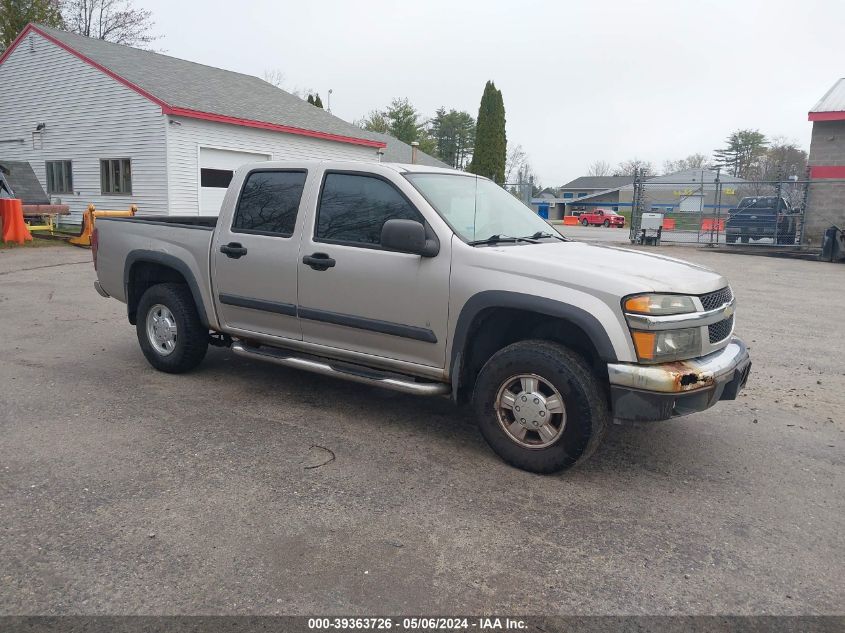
(408, 236)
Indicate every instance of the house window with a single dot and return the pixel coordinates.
(59, 176)
(581, 194)
(567, 194)
(116, 176)
(217, 178)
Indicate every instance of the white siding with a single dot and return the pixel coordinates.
(185, 140)
(88, 116)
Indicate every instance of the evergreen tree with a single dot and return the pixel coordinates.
(16, 14)
(742, 154)
(317, 101)
(310, 99)
(490, 153)
(453, 133)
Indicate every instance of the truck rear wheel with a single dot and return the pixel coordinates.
(169, 329)
(539, 406)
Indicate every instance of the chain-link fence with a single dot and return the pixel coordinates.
(707, 208)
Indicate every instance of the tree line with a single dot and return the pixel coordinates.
(477, 145)
(747, 154)
(116, 21)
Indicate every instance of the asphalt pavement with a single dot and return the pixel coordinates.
(248, 488)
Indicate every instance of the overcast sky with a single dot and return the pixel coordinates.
(581, 81)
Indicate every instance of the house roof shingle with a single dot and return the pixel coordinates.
(23, 182)
(598, 182)
(187, 87)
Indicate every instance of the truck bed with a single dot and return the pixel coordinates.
(184, 241)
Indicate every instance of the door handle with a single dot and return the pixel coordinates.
(233, 250)
(319, 261)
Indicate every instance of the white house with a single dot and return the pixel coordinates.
(114, 126)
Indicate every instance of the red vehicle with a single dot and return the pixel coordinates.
(602, 217)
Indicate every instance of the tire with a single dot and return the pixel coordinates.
(559, 369)
(585, 223)
(730, 239)
(607, 224)
(190, 341)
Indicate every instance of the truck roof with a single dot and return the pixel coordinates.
(351, 164)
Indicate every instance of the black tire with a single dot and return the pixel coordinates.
(584, 222)
(584, 401)
(191, 341)
(607, 224)
(744, 239)
(730, 239)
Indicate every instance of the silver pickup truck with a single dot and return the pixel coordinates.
(431, 282)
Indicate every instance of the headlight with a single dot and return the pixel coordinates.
(659, 304)
(667, 345)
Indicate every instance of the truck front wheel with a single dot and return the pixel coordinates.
(169, 329)
(539, 406)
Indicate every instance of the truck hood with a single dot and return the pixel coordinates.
(614, 270)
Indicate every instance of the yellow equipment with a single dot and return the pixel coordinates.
(90, 217)
(47, 224)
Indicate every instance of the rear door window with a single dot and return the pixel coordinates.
(269, 203)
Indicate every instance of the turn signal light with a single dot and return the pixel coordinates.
(644, 342)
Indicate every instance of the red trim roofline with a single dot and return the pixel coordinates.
(187, 112)
(826, 116)
(274, 127)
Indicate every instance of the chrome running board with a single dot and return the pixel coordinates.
(354, 373)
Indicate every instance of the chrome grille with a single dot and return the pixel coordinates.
(713, 300)
(721, 330)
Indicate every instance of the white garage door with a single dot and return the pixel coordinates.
(216, 169)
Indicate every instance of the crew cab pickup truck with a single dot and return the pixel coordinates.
(761, 217)
(602, 217)
(431, 282)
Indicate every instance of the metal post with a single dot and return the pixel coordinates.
(778, 192)
(717, 202)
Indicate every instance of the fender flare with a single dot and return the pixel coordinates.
(541, 305)
(156, 257)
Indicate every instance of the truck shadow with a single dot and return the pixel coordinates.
(670, 448)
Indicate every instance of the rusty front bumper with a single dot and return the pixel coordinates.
(658, 392)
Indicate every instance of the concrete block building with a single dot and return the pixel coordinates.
(826, 199)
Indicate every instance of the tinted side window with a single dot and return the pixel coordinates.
(354, 208)
(269, 203)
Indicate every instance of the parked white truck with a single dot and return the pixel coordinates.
(432, 282)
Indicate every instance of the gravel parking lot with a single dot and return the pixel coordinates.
(124, 490)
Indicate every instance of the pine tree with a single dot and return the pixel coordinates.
(310, 99)
(742, 153)
(490, 151)
(317, 101)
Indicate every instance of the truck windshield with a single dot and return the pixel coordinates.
(478, 209)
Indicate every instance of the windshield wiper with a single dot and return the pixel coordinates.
(497, 239)
(541, 234)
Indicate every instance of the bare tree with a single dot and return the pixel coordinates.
(628, 167)
(276, 77)
(600, 168)
(693, 161)
(514, 163)
(115, 21)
